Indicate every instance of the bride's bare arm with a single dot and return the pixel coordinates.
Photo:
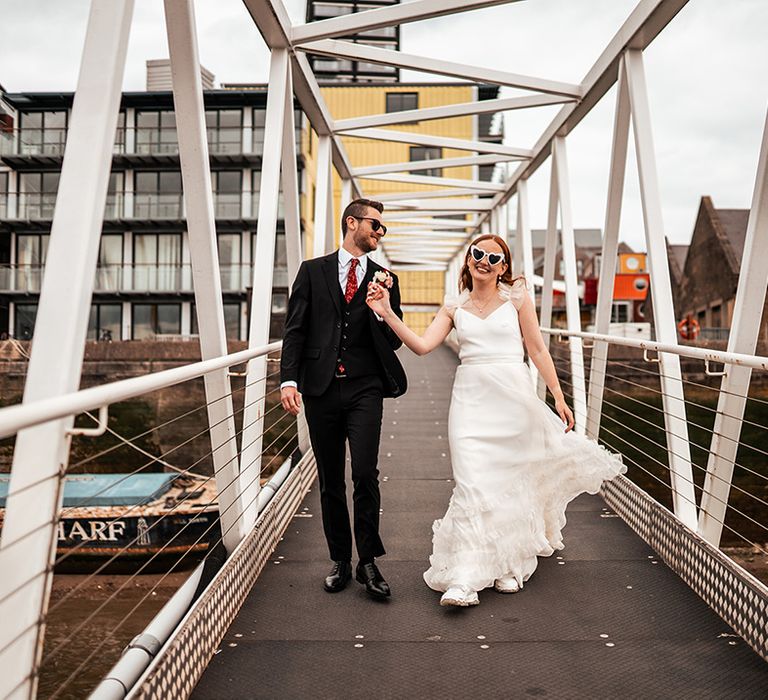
(434, 335)
(537, 351)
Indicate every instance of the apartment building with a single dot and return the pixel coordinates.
(143, 281)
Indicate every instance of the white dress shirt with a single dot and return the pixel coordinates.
(345, 259)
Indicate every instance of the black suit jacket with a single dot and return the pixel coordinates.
(313, 329)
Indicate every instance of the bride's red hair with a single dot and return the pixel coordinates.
(465, 278)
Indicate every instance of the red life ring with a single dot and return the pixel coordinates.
(689, 328)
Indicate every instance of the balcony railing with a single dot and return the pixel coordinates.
(40, 205)
(136, 141)
(139, 277)
(146, 205)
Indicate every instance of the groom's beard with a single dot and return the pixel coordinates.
(364, 243)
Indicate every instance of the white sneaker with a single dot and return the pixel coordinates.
(462, 596)
(507, 584)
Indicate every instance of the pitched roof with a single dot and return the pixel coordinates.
(734, 226)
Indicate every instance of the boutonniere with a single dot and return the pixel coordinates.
(383, 278)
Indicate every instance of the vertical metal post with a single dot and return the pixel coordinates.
(28, 545)
(323, 242)
(524, 252)
(681, 473)
(573, 314)
(550, 253)
(745, 329)
(293, 248)
(261, 300)
(609, 254)
(204, 257)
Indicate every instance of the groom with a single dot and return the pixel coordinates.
(341, 357)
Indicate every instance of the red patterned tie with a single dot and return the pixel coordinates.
(351, 289)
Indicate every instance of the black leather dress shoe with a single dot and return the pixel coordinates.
(339, 577)
(370, 576)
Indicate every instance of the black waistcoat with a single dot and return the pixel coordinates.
(356, 351)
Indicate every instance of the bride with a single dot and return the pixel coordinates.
(516, 465)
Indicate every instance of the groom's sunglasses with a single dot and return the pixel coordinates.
(375, 223)
(478, 254)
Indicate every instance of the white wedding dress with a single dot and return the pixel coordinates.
(514, 467)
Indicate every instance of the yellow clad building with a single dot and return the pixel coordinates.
(422, 289)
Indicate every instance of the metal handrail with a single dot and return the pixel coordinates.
(15, 418)
(731, 358)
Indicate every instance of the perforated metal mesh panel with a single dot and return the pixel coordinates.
(181, 663)
(733, 593)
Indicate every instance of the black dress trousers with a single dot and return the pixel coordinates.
(350, 409)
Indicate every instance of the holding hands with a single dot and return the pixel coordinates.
(377, 299)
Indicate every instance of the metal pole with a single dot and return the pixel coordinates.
(201, 229)
(41, 454)
(681, 472)
(323, 198)
(745, 329)
(609, 254)
(548, 274)
(293, 247)
(524, 252)
(573, 312)
(261, 300)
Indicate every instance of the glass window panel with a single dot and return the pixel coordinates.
(232, 321)
(105, 322)
(397, 101)
(167, 120)
(147, 120)
(26, 315)
(3, 183)
(55, 120)
(30, 182)
(168, 319)
(230, 118)
(211, 118)
(51, 182)
(426, 153)
(93, 323)
(146, 182)
(170, 182)
(143, 324)
(279, 303)
(229, 181)
(31, 120)
(110, 267)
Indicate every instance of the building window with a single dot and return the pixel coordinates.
(227, 193)
(231, 320)
(104, 322)
(418, 153)
(37, 194)
(31, 252)
(115, 193)
(43, 132)
(279, 303)
(109, 270)
(156, 132)
(150, 320)
(157, 262)
(716, 314)
(24, 325)
(401, 101)
(3, 195)
(158, 195)
(225, 130)
(233, 277)
(620, 312)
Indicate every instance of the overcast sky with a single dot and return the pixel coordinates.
(706, 77)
